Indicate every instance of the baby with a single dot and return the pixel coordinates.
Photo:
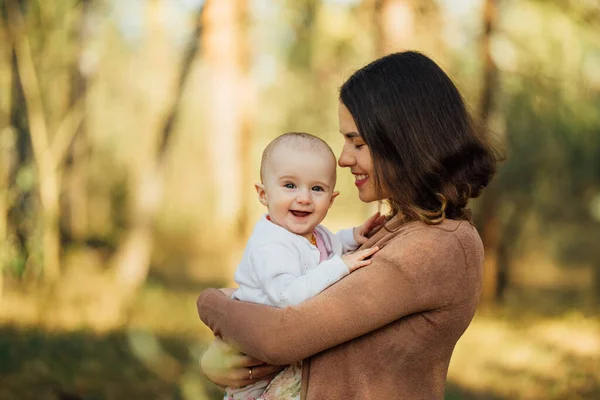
(290, 257)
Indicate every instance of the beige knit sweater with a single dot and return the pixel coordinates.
(386, 331)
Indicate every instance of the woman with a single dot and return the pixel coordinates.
(388, 330)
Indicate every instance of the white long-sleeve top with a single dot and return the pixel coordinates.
(280, 268)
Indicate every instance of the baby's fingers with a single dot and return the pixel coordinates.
(379, 221)
(367, 252)
(371, 222)
(359, 264)
(374, 217)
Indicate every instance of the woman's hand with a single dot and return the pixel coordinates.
(225, 366)
(360, 232)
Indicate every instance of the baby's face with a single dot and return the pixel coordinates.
(298, 188)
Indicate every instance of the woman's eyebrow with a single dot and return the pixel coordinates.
(350, 135)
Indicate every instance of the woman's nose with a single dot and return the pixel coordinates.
(346, 160)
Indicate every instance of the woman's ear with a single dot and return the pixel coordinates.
(262, 194)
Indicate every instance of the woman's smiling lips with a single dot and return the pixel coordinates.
(360, 179)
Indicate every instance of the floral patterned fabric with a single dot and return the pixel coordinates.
(286, 385)
(248, 392)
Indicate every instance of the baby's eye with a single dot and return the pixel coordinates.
(318, 189)
(289, 186)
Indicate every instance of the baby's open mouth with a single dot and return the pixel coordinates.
(300, 214)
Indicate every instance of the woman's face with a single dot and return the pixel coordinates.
(357, 156)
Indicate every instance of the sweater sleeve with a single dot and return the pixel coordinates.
(346, 236)
(418, 273)
(281, 276)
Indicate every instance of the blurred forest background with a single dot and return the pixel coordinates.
(130, 137)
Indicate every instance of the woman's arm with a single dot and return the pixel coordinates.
(419, 272)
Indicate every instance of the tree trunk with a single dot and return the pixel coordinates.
(44, 160)
(490, 224)
(48, 150)
(17, 212)
(247, 122)
(6, 145)
(49, 200)
(132, 259)
(224, 47)
(75, 207)
(395, 25)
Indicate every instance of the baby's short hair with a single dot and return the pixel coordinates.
(298, 141)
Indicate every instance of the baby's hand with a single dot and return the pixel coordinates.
(357, 260)
(373, 222)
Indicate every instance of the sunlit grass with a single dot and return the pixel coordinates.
(503, 354)
(545, 358)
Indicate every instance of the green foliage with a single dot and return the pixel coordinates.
(552, 129)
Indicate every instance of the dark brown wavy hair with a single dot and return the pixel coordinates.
(427, 154)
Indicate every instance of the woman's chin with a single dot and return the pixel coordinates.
(366, 196)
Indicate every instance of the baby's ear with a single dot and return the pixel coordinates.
(333, 196)
(262, 194)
